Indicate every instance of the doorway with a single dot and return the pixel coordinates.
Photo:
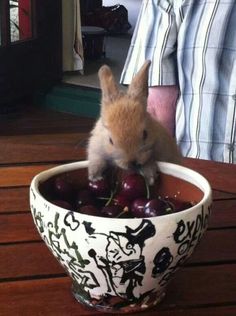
(116, 47)
(30, 47)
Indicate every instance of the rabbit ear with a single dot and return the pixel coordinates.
(108, 85)
(139, 84)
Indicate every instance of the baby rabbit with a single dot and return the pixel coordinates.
(125, 134)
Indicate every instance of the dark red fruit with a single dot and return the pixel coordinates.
(154, 207)
(100, 188)
(178, 205)
(84, 197)
(121, 200)
(133, 186)
(63, 204)
(137, 207)
(63, 189)
(89, 210)
(111, 210)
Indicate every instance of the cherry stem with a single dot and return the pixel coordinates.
(170, 207)
(125, 210)
(146, 184)
(112, 195)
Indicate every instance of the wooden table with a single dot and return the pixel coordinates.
(33, 283)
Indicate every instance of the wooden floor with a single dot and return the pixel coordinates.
(34, 140)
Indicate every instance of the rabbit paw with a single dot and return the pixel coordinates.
(150, 172)
(95, 170)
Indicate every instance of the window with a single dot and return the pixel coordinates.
(20, 20)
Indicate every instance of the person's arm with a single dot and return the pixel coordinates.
(162, 105)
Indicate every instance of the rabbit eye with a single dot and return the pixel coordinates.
(145, 135)
(111, 141)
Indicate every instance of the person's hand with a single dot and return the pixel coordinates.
(162, 105)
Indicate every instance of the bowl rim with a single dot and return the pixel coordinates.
(181, 172)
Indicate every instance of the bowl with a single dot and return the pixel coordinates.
(122, 264)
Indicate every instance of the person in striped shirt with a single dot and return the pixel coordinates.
(192, 77)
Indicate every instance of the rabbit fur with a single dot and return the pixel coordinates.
(126, 135)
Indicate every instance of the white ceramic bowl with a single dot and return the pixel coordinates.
(119, 264)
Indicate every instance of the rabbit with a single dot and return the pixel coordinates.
(126, 135)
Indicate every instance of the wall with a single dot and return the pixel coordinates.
(132, 6)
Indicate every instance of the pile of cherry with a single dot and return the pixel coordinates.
(128, 197)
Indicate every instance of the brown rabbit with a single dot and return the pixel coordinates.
(125, 134)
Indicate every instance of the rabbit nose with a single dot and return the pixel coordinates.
(133, 164)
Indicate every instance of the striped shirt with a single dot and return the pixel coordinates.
(192, 44)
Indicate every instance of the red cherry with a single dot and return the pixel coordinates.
(100, 187)
(111, 210)
(137, 207)
(154, 207)
(121, 200)
(133, 186)
(63, 189)
(63, 204)
(89, 210)
(84, 197)
(178, 205)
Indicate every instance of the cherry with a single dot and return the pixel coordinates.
(62, 203)
(133, 186)
(137, 207)
(63, 189)
(121, 200)
(99, 187)
(155, 207)
(89, 210)
(84, 197)
(178, 205)
(111, 210)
